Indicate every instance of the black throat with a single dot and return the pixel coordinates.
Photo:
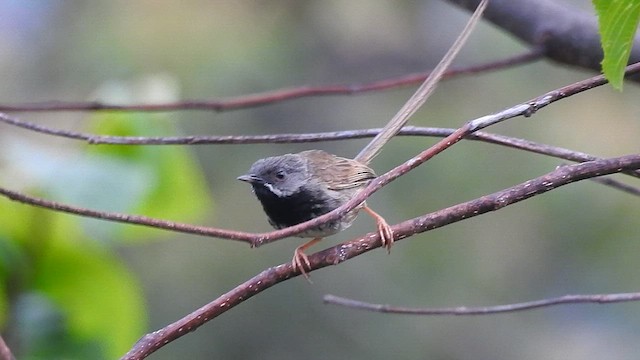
(294, 209)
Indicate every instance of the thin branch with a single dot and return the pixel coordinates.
(618, 185)
(334, 255)
(292, 138)
(568, 35)
(5, 351)
(422, 94)
(524, 109)
(130, 219)
(508, 141)
(275, 96)
(485, 310)
(250, 237)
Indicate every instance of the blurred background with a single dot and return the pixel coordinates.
(75, 288)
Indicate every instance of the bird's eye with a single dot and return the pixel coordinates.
(279, 175)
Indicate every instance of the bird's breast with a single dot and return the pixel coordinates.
(293, 209)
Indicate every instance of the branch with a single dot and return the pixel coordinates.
(485, 310)
(334, 255)
(508, 141)
(524, 109)
(129, 219)
(568, 35)
(250, 237)
(618, 185)
(5, 351)
(275, 96)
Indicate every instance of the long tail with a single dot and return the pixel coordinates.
(422, 94)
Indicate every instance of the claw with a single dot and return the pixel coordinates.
(300, 259)
(386, 234)
(298, 262)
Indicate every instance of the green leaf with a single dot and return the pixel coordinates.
(166, 181)
(157, 181)
(72, 296)
(7, 265)
(618, 22)
(101, 301)
(16, 249)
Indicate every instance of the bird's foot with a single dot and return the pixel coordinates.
(300, 259)
(384, 230)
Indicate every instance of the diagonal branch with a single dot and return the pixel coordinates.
(568, 35)
(5, 351)
(334, 255)
(524, 109)
(618, 185)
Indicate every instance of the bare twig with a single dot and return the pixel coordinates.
(524, 109)
(275, 96)
(334, 255)
(5, 351)
(512, 142)
(485, 310)
(568, 35)
(422, 94)
(129, 219)
(618, 185)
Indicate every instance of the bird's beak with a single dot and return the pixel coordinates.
(250, 178)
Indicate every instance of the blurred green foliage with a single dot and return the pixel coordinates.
(618, 21)
(582, 238)
(94, 304)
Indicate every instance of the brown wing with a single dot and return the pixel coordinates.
(337, 172)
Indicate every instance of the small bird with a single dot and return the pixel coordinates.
(294, 188)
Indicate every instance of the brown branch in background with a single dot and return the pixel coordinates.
(5, 351)
(485, 310)
(508, 141)
(618, 185)
(334, 255)
(569, 35)
(274, 96)
(130, 219)
(250, 237)
(526, 109)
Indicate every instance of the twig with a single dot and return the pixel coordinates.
(618, 185)
(422, 94)
(568, 34)
(485, 310)
(525, 109)
(512, 142)
(5, 351)
(129, 219)
(274, 96)
(334, 255)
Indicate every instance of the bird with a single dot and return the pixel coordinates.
(294, 188)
